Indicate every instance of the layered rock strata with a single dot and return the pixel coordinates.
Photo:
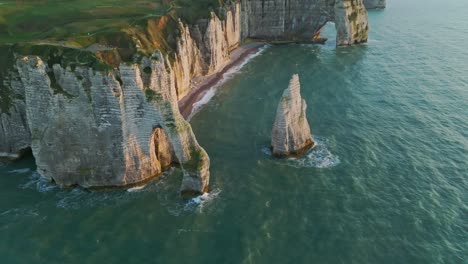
(291, 135)
(96, 129)
(122, 126)
(375, 4)
(117, 127)
(301, 20)
(350, 22)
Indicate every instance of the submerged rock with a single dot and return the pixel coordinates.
(291, 132)
(374, 4)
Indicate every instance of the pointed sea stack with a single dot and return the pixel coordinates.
(291, 132)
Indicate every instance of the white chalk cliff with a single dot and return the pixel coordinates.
(301, 20)
(122, 126)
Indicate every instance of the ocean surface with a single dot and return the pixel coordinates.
(387, 183)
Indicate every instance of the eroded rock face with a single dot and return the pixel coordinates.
(301, 20)
(351, 22)
(15, 137)
(123, 127)
(375, 4)
(120, 127)
(204, 48)
(291, 132)
(97, 130)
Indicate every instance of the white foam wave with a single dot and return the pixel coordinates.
(372, 41)
(136, 188)
(249, 58)
(318, 157)
(199, 202)
(203, 101)
(19, 171)
(226, 76)
(20, 212)
(267, 151)
(38, 183)
(80, 198)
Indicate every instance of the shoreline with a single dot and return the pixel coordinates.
(238, 56)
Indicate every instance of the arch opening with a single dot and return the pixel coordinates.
(326, 34)
(162, 153)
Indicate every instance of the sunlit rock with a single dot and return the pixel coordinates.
(291, 132)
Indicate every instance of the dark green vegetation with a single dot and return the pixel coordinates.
(7, 95)
(48, 20)
(99, 34)
(152, 95)
(393, 112)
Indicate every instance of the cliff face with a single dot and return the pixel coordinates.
(115, 127)
(372, 4)
(15, 137)
(121, 126)
(351, 22)
(302, 19)
(97, 129)
(204, 48)
(291, 132)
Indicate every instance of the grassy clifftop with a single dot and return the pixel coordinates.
(33, 20)
(114, 30)
(99, 34)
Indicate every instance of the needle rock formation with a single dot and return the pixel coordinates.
(291, 132)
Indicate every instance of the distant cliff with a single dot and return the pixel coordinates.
(106, 114)
(302, 19)
(99, 127)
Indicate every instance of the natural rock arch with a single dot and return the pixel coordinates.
(161, 151)
(299, 20)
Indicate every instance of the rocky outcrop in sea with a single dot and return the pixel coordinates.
(375, 4)
(291, 135)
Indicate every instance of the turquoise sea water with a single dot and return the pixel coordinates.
(388, 182)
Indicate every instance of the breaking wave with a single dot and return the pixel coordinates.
(19, 171)
(318, 157)
(203, 101)
(36, 182)
(198, 203)
(226, 76)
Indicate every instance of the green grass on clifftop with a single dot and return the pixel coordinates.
(55, 20)
(114, 31)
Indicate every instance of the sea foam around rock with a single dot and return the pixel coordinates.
(319, 157)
